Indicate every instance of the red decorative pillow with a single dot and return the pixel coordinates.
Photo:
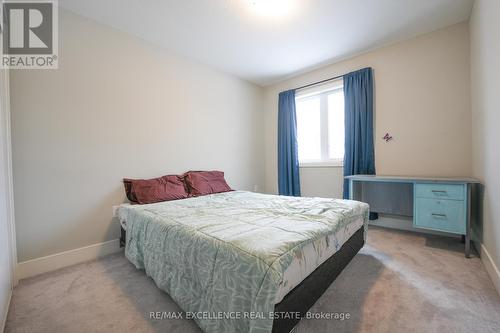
(144, 191)
(206, 182)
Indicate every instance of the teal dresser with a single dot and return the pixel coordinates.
(438, 204)
(441, 207)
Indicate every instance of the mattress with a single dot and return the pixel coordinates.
(310, 257)
(306, 259)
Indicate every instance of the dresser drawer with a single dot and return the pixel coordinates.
(440, 191)
(442, 215)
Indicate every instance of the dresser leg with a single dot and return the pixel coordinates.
(467, 225)
(467, 245)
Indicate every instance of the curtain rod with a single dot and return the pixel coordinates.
(320, 82)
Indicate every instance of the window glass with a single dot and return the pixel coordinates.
(336, 125)
(308, 128)
(320, 124)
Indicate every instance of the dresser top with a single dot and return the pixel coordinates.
(406, 179)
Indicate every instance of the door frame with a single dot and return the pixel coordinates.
(6, 151)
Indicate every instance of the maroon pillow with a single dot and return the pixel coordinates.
(206, 182)
(144, 191)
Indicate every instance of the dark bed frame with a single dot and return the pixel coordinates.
(303, 297)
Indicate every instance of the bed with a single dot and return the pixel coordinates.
(244, 262)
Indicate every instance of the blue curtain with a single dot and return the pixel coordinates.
(288, 155)
(359, 152)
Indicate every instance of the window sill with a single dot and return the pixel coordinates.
(321, 165)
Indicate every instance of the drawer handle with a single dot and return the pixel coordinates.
(439, 191)
(439, 215)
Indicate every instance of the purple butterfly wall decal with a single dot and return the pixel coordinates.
(387, 137)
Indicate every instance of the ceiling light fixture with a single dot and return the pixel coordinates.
(275, 9)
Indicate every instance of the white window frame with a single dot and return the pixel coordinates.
(322, 92)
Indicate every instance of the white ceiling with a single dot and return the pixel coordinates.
(265, 41)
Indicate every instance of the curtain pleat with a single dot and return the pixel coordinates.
(288, 155)
(359, 148)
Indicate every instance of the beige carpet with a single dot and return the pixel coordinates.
(399, 282)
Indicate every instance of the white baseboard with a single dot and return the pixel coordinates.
(491, 268)
(4, 317)
(52, 262)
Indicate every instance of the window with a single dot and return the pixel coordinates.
(320, 125)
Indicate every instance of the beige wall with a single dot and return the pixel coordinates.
(119, 107)
(485, 69)
(323, 182)
(422, 98)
